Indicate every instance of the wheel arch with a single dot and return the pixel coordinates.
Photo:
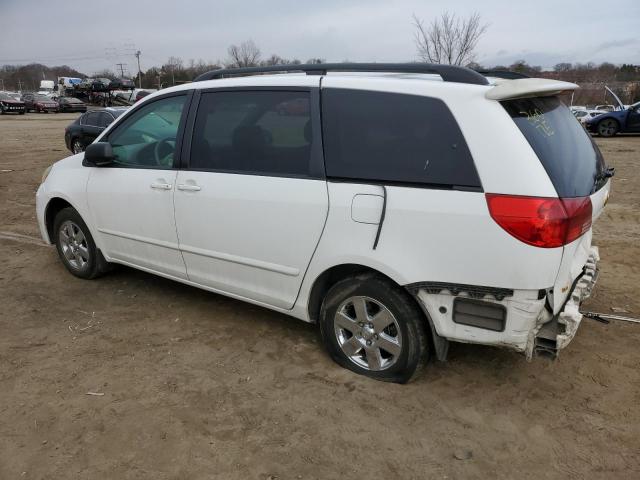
(55, 205)
(334, 274)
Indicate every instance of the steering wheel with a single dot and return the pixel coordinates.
(160, 156)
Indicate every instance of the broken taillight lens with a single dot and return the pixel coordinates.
(540, 221)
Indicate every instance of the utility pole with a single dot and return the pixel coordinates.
(137, 54)
(121, 65)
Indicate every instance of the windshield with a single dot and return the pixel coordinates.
(567, 152)
(42, 97)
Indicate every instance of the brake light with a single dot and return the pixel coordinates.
(540, 221)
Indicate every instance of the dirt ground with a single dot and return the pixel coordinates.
(197, 386)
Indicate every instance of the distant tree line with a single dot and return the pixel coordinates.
(27, 77)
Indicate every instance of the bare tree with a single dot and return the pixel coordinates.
(448, 39)
(247, 54)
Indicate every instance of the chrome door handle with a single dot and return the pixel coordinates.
(161, 186)
(188, 188)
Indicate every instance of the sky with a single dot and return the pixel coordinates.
(91, 38)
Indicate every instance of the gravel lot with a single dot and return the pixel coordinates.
(197, 386)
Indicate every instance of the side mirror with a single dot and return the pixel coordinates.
(99, 154)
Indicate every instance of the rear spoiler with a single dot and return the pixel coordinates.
(528, 87)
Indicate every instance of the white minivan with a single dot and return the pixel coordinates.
(398, 206)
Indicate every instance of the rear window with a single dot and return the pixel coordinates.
(567, 152)
(391, 137)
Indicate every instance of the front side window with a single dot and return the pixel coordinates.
(391, 137)
(262, 132)
(148, 137)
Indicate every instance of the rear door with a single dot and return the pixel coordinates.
(251, 204)
(90, 127)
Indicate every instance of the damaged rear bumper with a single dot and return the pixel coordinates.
(515, 319)
(556, 334)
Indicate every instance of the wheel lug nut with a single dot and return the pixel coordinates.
(361, 324)
(369, 342)
(371, 325)
(375, 336)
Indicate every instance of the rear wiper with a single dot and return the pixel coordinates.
(606, 173)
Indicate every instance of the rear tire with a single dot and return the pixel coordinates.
(608, 127)
(372, 327)
(75, 246)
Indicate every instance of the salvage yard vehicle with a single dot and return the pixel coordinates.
(423, 206)
(86, 128)
(39, 103)
(122, 84)
(71, 104)
(9, 104)
(625, 120)
(583, 115)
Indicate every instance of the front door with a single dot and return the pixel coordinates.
(633, 119)
(132, 200)
(252, 204)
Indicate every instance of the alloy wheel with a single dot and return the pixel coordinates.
(607, 128)
(74, 245)
(368, 333)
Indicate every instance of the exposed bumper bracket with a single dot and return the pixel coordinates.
(556, 334)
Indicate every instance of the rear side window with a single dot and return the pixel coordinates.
(392, 137)
(261, 132)
(91, 119)
(567, 152)
(105, 119)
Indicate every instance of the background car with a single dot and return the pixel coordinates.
(121, 83)
(88, 126)
(71, 104)
(583, 115)
(39, 103)
(141, 94)
(8, 104)
(100, 84)
(626, 120)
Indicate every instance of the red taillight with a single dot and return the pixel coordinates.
(542, 222)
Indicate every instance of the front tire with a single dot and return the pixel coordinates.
(75, 246)
(608, 127)
(373, 327)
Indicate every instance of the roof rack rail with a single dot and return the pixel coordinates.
(449, 73)
(506, 74)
